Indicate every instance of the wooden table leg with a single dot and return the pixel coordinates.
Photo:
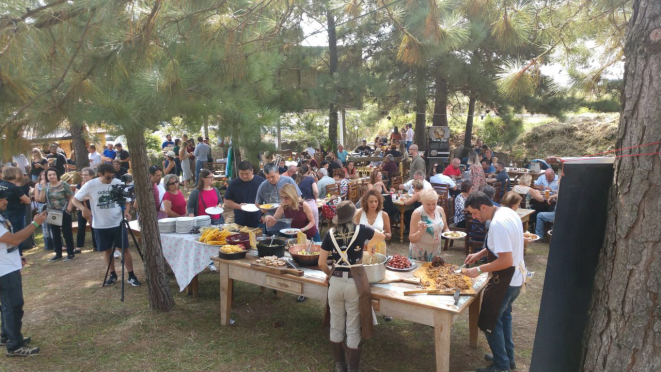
(473, 316)
(442, 325)
(402, 226)
(226, 285)
(195, 284)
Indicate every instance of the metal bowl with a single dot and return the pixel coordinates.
(376, 272)
(305, 260)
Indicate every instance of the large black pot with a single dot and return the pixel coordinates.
(266, 248)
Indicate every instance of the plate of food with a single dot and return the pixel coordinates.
(214, 211)
(290, 231)
(453, 234)
(400, 263)
(249, 208)
(530, 236)
(269, 206)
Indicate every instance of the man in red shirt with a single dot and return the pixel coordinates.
(453, 169)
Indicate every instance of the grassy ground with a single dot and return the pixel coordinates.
(82, 327)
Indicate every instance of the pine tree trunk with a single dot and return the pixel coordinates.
(160, 297)
(468, 136)
(78, 137)
(332, 52)
(624, 330)
(420, 108)
(440, 101)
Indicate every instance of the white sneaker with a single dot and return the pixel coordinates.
(212, 267)
(118, 254)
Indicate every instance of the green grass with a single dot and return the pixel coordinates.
(82, 327)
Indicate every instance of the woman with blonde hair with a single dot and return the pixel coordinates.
(38, 164)
(477, 173)
(376, 182)
(428, 222)
(524, 189)
(291, 206)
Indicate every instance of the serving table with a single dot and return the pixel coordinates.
(387, 299)
(187, 257)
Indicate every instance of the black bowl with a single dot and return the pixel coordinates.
(232, 256)
(266, 248)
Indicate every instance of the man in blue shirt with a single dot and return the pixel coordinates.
(549, 181)
(342, 154)
(502, 176)
(241, 191)
(109, 153)
(168, 142)
(487, 168)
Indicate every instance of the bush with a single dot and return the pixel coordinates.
(501, 131)
(604, 105)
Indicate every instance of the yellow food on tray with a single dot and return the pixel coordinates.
(266, 206)
(253, 239)
(214, 236)
(231, 249)
(301, 238)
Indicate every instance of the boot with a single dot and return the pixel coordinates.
(354, 359)
(338, 357)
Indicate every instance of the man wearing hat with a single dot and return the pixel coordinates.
(349, 309)
(11, 287)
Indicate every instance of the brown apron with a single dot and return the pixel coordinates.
(364, 294)
(494, 294)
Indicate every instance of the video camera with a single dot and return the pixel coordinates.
(120, 192)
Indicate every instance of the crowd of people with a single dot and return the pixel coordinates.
(295, 188)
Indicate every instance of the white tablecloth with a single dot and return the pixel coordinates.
(186, 256)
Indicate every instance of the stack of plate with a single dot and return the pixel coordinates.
(167, 225)
(185, 225)
(202, 221)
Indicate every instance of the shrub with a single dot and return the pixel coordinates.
(501, 131)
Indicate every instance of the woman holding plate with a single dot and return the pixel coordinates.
(205, 196)
(300, 213)
(371, 214)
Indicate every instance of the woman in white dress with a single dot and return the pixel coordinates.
(371, 214)
(428, 222)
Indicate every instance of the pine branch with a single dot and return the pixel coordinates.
(7, 22)
(58, 83)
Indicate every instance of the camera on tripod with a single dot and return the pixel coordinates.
(120, 192)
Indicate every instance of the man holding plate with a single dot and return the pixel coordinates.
(241, 192)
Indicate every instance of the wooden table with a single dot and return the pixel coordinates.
(525, 217)
(387, 299)
(399, 203)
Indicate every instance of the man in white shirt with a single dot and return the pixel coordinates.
(408, 186)
(324, 181)
(504, 248)
(94, 157)
(107, 225)
(11, 287)
(22, 163)
(409, 136)
(549, 181)
(442, 179)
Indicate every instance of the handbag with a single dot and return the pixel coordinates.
(55, 216)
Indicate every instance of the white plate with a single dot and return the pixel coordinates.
(290, 231)
(214, 210)
(273, 206)
(249, 208)
(534, 239)
(167, 220)
(463, 234)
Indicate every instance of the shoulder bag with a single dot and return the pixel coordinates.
(55, 216)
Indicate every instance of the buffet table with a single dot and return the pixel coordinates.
(187, 257)
(387, 299)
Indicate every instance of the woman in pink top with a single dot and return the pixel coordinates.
(203, 197)
(174, 202)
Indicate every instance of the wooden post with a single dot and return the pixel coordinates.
(225, 294)
(473, 316)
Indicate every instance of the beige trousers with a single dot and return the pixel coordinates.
(343, 301)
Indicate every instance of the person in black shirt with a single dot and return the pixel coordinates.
(282, 168)
(59, 161)
(241, 191)
(119, 171)
(123, 156)
(16, 200)
(38, 164)
(332, 165)
(393, 150)
(364, 148)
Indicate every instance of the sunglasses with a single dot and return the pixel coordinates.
(172, 183)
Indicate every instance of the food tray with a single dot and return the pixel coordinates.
(232, 256)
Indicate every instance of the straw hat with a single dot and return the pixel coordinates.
(345, 212)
